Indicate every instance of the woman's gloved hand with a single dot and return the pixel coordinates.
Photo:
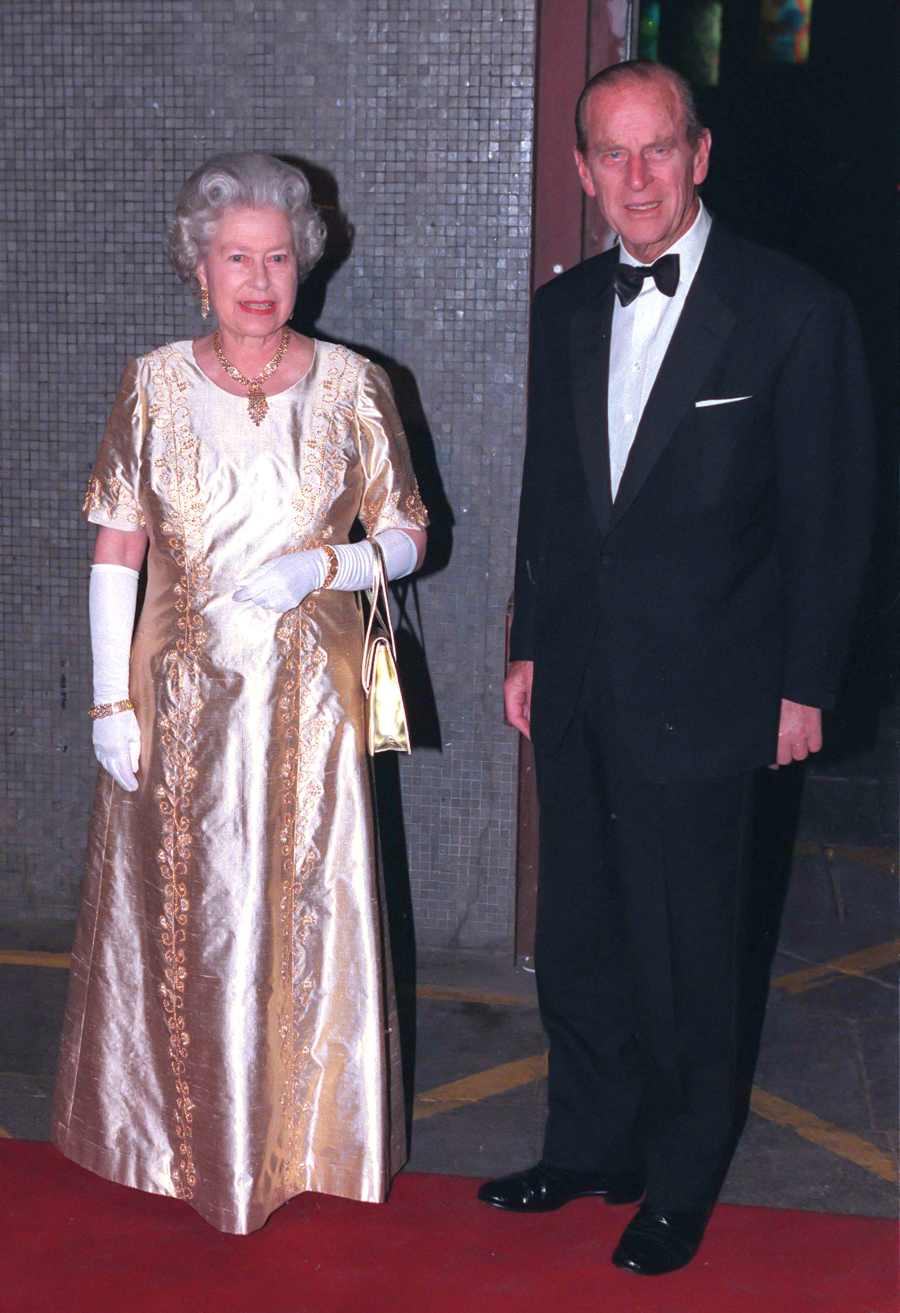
(283, 583)
(112, 602)
(117, 747)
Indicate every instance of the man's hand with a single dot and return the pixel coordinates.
(517, 696)
(799, 733)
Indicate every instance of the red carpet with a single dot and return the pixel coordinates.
(73, 1243)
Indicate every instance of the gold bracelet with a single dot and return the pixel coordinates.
(332, 557)
(110, 709)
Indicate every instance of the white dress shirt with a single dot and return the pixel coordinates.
(641, 333)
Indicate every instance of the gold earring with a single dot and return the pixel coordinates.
(204, 302)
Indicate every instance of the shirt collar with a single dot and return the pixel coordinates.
(689, 247)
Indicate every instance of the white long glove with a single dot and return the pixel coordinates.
(112, 602)
(283, 583)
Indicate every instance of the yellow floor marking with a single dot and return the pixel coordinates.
(458, 994)
(795, 982)
(810, 1127)
(852, 964)
(472, 1089)
(511, 1075)
(524, 1071)
(20, 957)
(884, 859)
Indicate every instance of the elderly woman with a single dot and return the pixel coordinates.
(230, 1035)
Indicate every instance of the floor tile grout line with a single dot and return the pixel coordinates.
(861, 1067)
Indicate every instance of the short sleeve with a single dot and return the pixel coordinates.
(113, 492)
(391, 497)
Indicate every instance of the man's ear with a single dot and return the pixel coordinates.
(587, 181)
(701, 156)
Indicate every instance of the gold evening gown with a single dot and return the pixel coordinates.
(230, 1035)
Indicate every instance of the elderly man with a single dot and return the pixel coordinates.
(693, 529)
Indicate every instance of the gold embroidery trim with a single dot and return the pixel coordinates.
(322, 459)
(305, 733)
(112, 499)
(395, 509)
(400, 506)
(300, 861)
(415, 508)
(179, 477)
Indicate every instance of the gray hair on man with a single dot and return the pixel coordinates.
(640, 70)
(246, 179)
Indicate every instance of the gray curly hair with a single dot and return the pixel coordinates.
(244, 178)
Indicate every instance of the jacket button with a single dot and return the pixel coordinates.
(605, 559)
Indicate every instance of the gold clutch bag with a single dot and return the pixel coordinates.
(386, 727)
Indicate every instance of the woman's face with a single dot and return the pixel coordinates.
(250, 271)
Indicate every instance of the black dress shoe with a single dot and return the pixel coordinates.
(542, 1188)
(655, 1242)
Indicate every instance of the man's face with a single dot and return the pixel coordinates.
(639, 165)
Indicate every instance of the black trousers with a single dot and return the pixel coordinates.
(637, 961)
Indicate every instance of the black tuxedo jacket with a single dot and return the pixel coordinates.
(724, 575)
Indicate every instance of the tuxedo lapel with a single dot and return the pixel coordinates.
(703, 329)
(590, 327)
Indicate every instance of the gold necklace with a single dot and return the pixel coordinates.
(257, 403)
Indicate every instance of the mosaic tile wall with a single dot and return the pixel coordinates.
(420, 114)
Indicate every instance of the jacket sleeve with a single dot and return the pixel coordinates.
(537, 481)
(825, 453)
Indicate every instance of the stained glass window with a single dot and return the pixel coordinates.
(784, 30)
(684, 33)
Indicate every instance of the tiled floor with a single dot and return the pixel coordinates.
(822, 1130)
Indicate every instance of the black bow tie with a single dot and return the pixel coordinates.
(628, 279)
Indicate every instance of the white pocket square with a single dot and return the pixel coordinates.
(722, 401)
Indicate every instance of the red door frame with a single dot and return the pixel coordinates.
(561, 63)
